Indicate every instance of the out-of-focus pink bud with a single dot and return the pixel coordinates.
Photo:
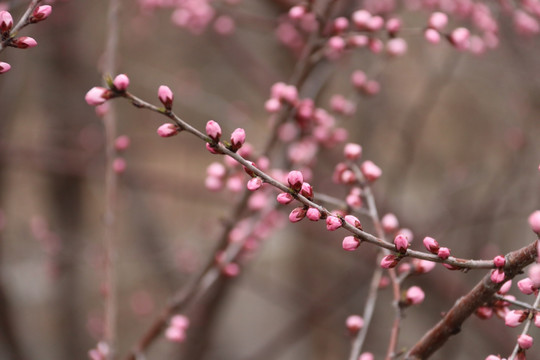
(525, 341)
(537, 320)
(353, 220)
(297, 214)
(375, 23)
(180, 321)
(166, 96)
(499, 261)
(497, 275)
(295, 180)
(404, 268)
(213, 130)
(366, 356)
(371, 88)
(254, 183)
(389, 223)
(4, 67)
(313, 214)
(358, 79)
(122, 143)
(121, 82)
(423, 266)
(6, 21)
(41, 13)
(119, 165)
(415, 295)
(350, 243)
(460, 38)
(396, 47)
(231, 270)
(333, 223)
(443, 253)
(393, 25)
(272, 105)
(24, 42)
(526, 286)
(438, 20)
(407, 233)
(97, 96)
(354, 323)
(352, 151)
(484, 312)
(216, 169)
(361, 19)
(432, 36)
(238, 138)
(175, 334)
(371, 171)
(431, 244)
(296, 12)
(285, 198)
(341, 24)
(167, 130)
(493, 357)
(389, 261)
(375, 45)
(534, 275)
(505, 287)
(337, 43)
(213, 183)
(534, 221)
(514, 317)
(401, 243)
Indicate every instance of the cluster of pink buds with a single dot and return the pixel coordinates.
(121, 144)
(24, 42)
(497, 275)
(99, 95)
(176, 331)
(363, 85)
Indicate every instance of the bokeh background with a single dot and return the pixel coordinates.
(457, 137)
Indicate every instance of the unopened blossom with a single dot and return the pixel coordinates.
(307, 190)
(401, 243)
(352, 151)
(354, 200)
(40, 13)
(396, 47)
(350, 243)
(180, 321)
(119, 165)
(354, 323)
(295, 180)
(272, 105)
(526, 286)
(422, 266)
(460, 38)
(212, 149)
(166, 96)
(97, 96)
(4, 67)
(231, 270)
(534, 221)
(238, 137)
(285, 198)
(389, 261)
(525, 341)
(121, 143)
(514, 317)
(375, 45)
(505, 287)
(254, 183)
(167, 130)
(443, 253)
(534, 274)
(333, 223)
(371, 171)
(484, 312)
(213, 130)
(358, 79)
(216, 169)
(497, 275)
(431, 244)
(432, 36)
(213, 183)
(6, 21)
(175, 334)
(375, 23)
(121, 82)
(537, 320)
(353, 220)
(389, 223)
(393, 25)
(24, 42)
(493, 357)
(415, 295)
(438, 20)
(499, 261)
(313, 214)
(361, 18)
(296, 12)
(297, 214)
(366, 356)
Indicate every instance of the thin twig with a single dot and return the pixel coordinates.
(526, 327)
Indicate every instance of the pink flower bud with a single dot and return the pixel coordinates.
(216, 169)
(423, 266)
(350, 243)
(333, 223)
(353, 220)
(295, 180)
(537, 320)
(493, 357)
(371, 171)
(389, 223)
(297, 214)
(401, 243)
(180, 321)
(307, 190)
(231, 270)
(443, 253)
(366, 356)
(371, 88)
(175, 334)
(361, 19)
(525, 341)
(24, 42)
(497, 275)
(313, 214)
(499, 261)
(393, 25)
(341, 24)
(415, 295)
(41, 13)
(396, 47)
(358, 79)
(484, 312)
(213, 183)
(213, 130)
(285, 198)
(296, 12)
(534, 275)
(432, 36)
(460, 38)
(389, 261)
(119, 165)
(352, 151)
(354, 323)
(238, 138)
(272, 105)
(505, 287)
(122, 143)
(526, 286)
(4, 67)
(254, 183)
(167, 130)
(375, 23)
(431, 244)
(121, 82)
(97, 96)
(534, 221)
(166, 96)
(438, 20)
(337, 43)
(6, 21)
(514, 317)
